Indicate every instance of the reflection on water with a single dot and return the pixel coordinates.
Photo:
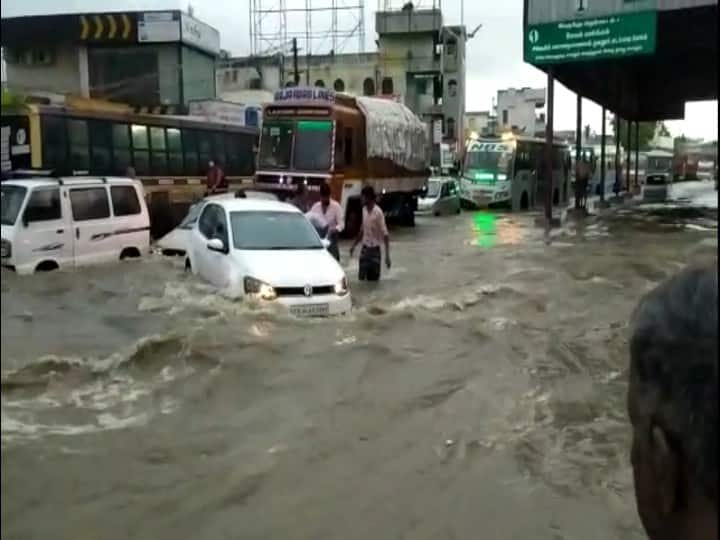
(491, 229)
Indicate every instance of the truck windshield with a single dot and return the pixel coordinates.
(313, 142)
(276, 145)
(660, 164)
(12, 200)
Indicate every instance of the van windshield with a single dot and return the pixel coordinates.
(12, 200)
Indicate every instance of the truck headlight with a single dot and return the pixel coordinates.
(341, 287)
(259, 288)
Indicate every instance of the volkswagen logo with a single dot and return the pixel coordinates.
(307, 290)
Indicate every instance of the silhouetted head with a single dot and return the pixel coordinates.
(368, 196)
(673, 407)
(325, 194)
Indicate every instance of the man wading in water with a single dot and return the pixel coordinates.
(373, 232)
(673, 407)
(332, 212)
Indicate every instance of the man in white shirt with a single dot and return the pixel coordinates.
(332, 212)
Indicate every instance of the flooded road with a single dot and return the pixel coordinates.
(477, 392)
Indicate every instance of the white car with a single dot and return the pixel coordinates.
(176, 241)
(52, 223)
(269, 252)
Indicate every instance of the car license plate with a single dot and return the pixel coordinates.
(310, 310)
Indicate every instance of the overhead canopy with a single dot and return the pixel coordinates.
(650, 85)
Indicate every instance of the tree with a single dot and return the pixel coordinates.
(663, 131)
(646, 133)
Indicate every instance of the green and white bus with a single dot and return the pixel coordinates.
(509, 171)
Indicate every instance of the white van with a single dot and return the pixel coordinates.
(51, 223)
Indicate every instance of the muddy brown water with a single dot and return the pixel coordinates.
(477, 392)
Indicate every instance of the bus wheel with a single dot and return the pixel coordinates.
(524, 201)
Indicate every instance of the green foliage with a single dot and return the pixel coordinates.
(646, 133)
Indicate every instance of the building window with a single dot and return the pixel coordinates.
(452, 88)
(450, 128)
(505, 117)
(369, 87)
(387, 86)
(320, 83)
(451, 48)
(339, 85)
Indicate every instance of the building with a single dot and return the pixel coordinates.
(518, 110)
(418, 61)
(141, 58)
(483, 123)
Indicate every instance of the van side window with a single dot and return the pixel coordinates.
(213, 224)
(43, 205)
(124, 200)
(89, 203)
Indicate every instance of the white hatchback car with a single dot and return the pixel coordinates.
(267, 251)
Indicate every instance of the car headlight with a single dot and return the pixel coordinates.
(260, 288)
(341, 287)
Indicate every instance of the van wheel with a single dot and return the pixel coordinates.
(130, 253)
(47, 266)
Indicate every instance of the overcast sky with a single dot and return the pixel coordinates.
(494, 55)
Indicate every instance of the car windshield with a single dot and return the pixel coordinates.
(273, 231)
(276, 145)
(191, 218)
(12, 200)
(433, 189)
(313, 141)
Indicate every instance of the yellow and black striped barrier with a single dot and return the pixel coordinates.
(107, 27)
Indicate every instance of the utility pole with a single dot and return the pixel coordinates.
(295, 61)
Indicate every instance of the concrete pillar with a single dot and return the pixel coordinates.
(618, 168)
(628, 125)
(578, 141)
(637, 152)
(602, 157)
(549, 140)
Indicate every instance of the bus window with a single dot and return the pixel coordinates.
(121, 147)
(54, 141)
(78, 138)
(175, 156)
(141, 154)
(218, 152)
(189, 140)
(158, 162)
(100, 132)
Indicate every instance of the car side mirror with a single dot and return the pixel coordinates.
(325, 243)
(216, 245)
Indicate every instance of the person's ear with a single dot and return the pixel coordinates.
(666, 465)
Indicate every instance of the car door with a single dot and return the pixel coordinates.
(213, 266)
(95, 240)
(46, 233)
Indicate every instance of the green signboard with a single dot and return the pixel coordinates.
(584, 40)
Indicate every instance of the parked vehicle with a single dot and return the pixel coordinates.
(658, 177)
(442, 196)
(315, 136)
(52, 223)
(267, 251)
(175, 243)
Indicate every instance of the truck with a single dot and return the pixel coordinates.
(315, 135)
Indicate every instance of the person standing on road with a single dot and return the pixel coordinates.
(333, 214)
(216, 181)
(673, 406)
(373, 233)
(582, 178)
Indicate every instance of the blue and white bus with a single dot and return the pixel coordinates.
(509, 171)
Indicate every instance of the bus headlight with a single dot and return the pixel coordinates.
(259, 288)
(341, 287)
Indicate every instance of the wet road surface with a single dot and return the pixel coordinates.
(477, 392)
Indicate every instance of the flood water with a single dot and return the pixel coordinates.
(477, 392)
